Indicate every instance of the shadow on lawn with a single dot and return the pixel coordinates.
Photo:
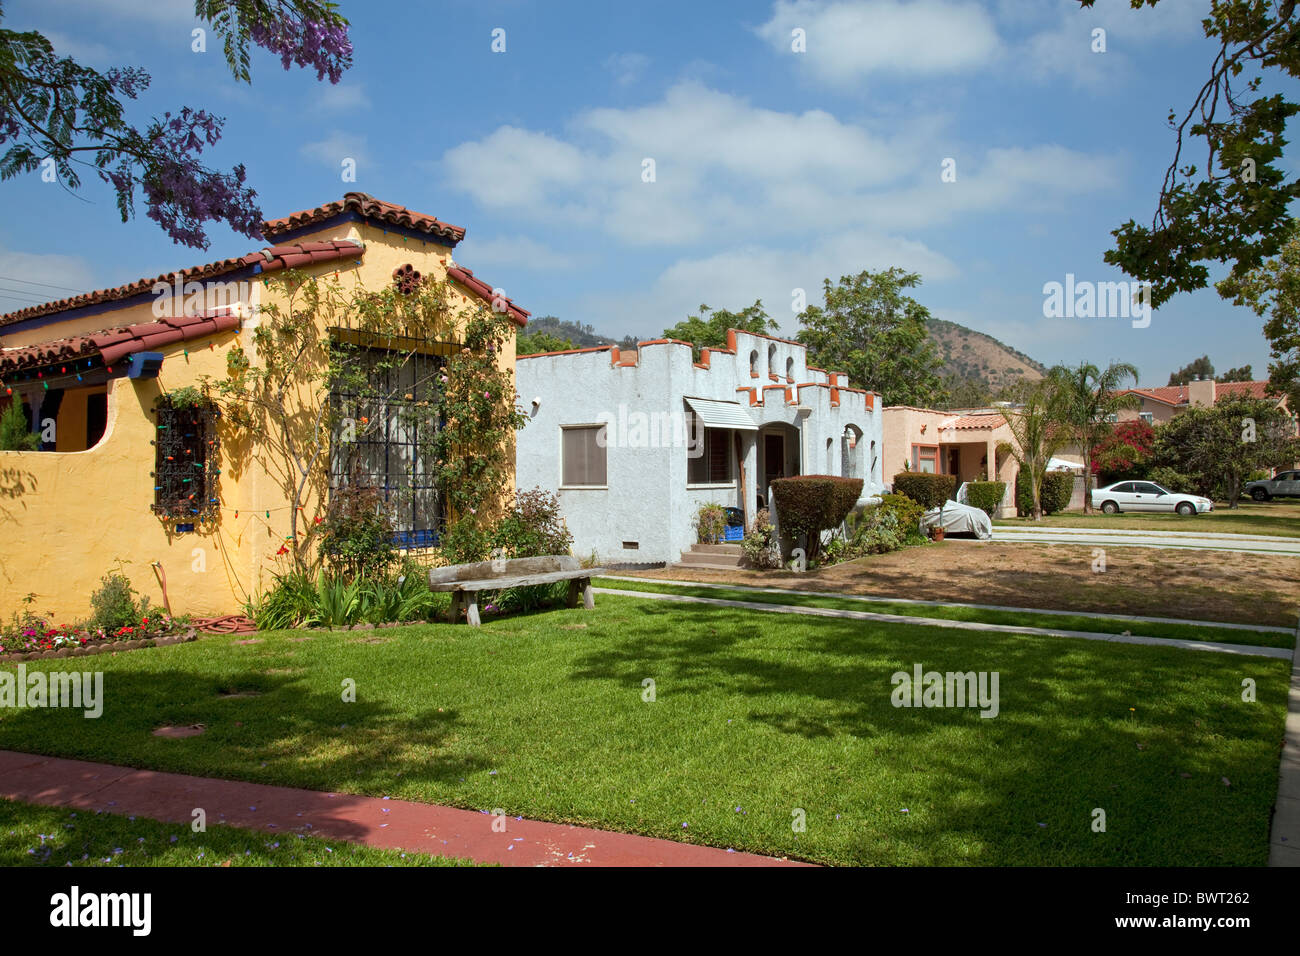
(286, 732)
(1021, 787)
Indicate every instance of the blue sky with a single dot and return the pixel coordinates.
(773, 169)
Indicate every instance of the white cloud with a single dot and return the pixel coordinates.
(734, 278)
(852, 39)
(724, 168)
(514, 254)
(627, 67)
(1065, 46)
(161, 12)
(342, 98)
(335, 148)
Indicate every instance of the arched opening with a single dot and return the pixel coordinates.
(771, 360)
(830, 456)
(753, 363)
(789, 369)
(851, 460)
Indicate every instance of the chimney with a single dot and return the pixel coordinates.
(1200, 390)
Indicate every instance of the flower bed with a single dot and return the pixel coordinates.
(35, 638)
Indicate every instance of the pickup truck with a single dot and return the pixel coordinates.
(1285, 484)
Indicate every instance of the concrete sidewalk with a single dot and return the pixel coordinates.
(1121, 538)
(373, 821)
(1284, 840)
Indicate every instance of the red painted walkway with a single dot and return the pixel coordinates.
(374, 821)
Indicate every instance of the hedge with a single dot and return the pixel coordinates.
(810, 504)
(986, 495)
(929, 491)
(1053, 494)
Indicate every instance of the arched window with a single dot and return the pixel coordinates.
(753, 363)
(830, 456)
(771, 360)
(789, 370)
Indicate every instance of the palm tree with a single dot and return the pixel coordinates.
(1036, 422)
(1089, 397)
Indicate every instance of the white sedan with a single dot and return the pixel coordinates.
(1146, 496)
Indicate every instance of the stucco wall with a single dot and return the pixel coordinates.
(78, 514)
(647, 499)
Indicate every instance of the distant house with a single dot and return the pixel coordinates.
(634, 442)
(962, 442)
(1162, 403)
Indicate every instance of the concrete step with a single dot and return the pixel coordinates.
(697, 566)
(728, 549)
(696, 559)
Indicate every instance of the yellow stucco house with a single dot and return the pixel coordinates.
(113, 481)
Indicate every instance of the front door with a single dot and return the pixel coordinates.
(773, 457)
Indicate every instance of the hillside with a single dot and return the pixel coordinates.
(968, 354)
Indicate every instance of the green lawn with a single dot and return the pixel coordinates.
(756, 716)
(55, 836)
(1279, 518)
(1026, 618)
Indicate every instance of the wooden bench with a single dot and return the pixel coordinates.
(465, 581)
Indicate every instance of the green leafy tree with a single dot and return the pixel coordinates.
(1241, 374)
(532, 343)
(1219, 446)
(877, 335)
(1234, 208)
(1088, 397)
(53, 108)
(1272, 290)
(15, 431)
(1037, 420)
(1193, 369)
(709, 328)
(966, 392)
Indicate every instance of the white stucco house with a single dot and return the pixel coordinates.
(633, 443)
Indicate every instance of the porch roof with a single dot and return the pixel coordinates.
(111, 345)
(719, 414)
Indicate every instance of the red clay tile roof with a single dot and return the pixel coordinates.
(371, 208)
(294, 256)
(484, 291)
(112, 345)
(1177, 394)
(976, 421)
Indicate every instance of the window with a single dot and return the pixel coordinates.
(753, 363)
(771, 361)
(789, 370)
(1147, 417)
(582, 456)
(185, 461)
(925, 459)
(714, 466)
(385, 435)
(1125, 488)
(1146, 488)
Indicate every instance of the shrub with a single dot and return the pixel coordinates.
(357, 532)
(533, 528)
(929, 491)
(1053, 494)
(908, 512)
(986, 495)
(15, 431)
(465, 541)
(1172, 480)
(1057, 488)
(113, 603)
(710, 524)
(759, 546)
(879, 532)
(810, 504)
